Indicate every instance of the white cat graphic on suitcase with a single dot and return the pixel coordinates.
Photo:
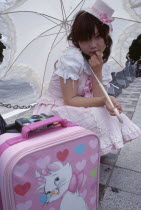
(61, 182)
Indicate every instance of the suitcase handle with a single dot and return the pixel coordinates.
(33, 126)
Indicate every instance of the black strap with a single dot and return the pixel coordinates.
(2, 125)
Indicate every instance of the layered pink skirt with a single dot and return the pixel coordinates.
(112, 134)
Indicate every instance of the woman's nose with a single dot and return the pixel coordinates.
(93, 43)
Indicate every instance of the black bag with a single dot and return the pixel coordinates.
(121, 79)
(7, 128)
(2, 125)
(115, 88)
(16, 127)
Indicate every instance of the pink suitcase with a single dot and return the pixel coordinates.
(56, 168)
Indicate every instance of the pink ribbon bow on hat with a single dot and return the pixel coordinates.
(102, 16)
(105, 19)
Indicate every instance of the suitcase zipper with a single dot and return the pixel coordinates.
(8, 192)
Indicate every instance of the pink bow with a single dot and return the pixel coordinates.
(105, 19)
(102, 16)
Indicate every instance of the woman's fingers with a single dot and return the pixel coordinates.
(110, 108)
(116, 105)
(113, 113)
(96, 60)
(119, 107)
(99, 55)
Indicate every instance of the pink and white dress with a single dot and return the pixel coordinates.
(111, 132)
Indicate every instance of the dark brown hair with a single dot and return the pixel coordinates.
(83, 29)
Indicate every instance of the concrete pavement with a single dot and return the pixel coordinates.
(120, 177)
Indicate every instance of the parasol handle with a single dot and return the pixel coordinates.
(108, 98)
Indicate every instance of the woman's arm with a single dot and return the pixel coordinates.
(97, 92)
(69, 90)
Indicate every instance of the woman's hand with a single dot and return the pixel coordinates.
(116, 105)
(96, 62)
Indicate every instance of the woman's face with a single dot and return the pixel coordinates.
(95, 44)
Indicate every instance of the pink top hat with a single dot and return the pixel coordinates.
(102, 11)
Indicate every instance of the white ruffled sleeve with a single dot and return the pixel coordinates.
(106, 74)
(70, 65)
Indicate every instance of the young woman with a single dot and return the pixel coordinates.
(75, 94)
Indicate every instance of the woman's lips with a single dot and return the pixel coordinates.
(94, 51)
